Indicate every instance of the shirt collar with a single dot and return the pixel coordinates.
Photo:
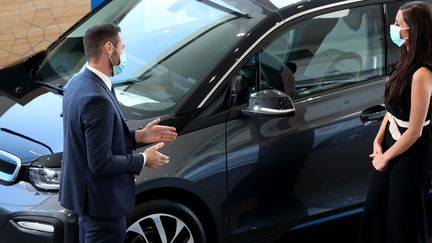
(102, 76)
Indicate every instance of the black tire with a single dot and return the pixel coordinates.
(178, 224)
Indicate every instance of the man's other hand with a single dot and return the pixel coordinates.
(155, 159)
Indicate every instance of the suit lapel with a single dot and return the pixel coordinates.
(96, 78)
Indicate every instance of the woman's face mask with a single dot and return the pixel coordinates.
(396, 36)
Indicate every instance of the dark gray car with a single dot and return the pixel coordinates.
(276, 104)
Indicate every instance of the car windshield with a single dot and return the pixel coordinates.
(170, 46)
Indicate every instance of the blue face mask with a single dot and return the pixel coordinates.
(395, 35)
(117, 69)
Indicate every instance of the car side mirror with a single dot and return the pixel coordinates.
(18, 78)
(270, 102)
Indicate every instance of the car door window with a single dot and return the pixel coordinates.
(318, 54)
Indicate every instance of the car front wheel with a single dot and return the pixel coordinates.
(164, 221)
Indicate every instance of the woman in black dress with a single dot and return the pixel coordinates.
(394, 210)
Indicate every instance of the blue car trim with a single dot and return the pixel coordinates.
(327, 218)
(12, 160)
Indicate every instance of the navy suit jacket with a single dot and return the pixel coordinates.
(98, 169)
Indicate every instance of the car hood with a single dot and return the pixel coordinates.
(31, 130)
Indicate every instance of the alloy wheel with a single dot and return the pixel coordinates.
(159, 228)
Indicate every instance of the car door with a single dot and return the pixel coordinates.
(286, 170)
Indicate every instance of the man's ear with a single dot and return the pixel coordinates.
(108, 47)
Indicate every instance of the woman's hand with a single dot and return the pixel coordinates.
(379, 161)
(377, 149)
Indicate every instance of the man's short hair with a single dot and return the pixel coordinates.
(97, 35)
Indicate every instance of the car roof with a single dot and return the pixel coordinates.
(268, 7)
(256, 7)
(278, 4)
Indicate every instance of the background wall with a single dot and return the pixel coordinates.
(28, 26)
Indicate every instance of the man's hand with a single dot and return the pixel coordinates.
(153, 133)
(155, 159)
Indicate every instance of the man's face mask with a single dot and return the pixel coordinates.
(117, 69)
(395, 35)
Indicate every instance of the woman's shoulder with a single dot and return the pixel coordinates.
(419, 70)
(423, 71)
(422, 77)
(422, 68)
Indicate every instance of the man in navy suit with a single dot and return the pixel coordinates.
(97, 179)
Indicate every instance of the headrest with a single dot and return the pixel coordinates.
(354, 19)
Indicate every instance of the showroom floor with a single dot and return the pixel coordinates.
(337, 231)
(28, 26)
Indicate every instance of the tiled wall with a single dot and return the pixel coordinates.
(27, 26)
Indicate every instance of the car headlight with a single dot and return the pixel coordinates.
(44, 178)
(44, 173)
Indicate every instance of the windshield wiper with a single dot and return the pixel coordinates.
(59, 90)
(223, 8)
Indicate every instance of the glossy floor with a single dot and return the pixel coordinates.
(337, 231)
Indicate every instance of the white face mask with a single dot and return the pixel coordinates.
(395, 35)
(117, 69)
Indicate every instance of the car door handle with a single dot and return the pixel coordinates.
(373, 115)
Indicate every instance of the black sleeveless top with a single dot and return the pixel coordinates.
(400, 106)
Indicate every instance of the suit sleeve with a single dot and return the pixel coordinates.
(133, 141)
(98, 123)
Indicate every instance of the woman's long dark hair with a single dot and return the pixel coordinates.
(418, 16)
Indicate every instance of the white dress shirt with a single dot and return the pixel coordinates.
(105, 79)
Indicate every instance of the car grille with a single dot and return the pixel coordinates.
(9, 166)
